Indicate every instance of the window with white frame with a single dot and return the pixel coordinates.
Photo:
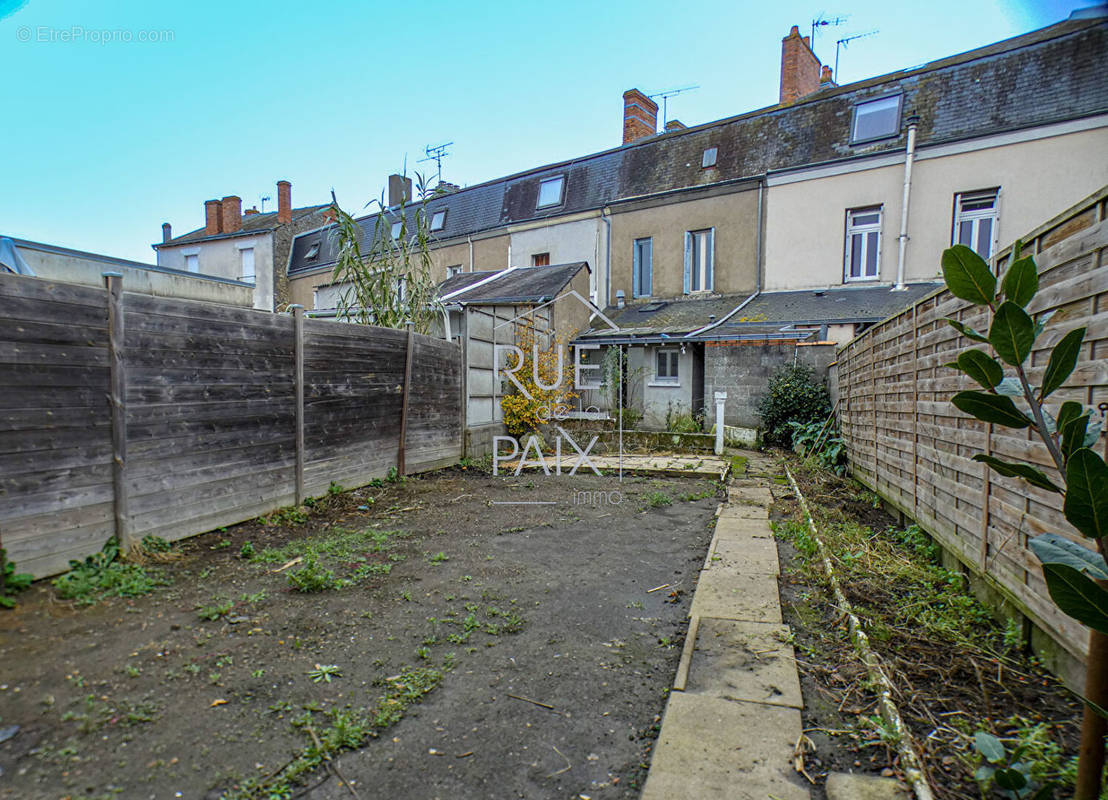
(247, 256)
(402, 290)
(876, 119)
(540, 259)
(192, 262)
(665, 367)
(975, 221)
(708, 159)
(642, 268)
(438, 220)
(452, 271)
(550, 191)
(699, 247)
(863, 243)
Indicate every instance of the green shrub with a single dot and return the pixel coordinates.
(794, 396)
(820, 442)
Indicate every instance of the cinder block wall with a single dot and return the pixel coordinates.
(743, 370)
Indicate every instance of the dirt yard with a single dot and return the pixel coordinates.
(466, 648)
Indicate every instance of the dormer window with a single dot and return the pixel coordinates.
(313, 251)
(396, 228)
(550, 191)
(876, 119)
(438, 220)
(709, 158)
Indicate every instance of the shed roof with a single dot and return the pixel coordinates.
(520, 285)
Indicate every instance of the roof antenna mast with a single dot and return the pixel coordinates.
(665, 94)
(844, 42)
(436, 153)
(822, 21)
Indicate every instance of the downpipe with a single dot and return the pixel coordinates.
(902, 239)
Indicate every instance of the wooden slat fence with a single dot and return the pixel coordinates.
(907, 442)
(210, 402)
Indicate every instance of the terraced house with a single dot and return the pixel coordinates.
(717, 249)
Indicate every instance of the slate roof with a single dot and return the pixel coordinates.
(251, 224)
(768, 311)
(1050, 75)
(519, 285)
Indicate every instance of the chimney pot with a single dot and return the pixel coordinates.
(800, 69)
(213, 217)
(232, 213)
(167, 232)
(400, 189)
(284, 202)
(640, 116)
(250, 211)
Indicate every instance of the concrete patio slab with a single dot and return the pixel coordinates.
(749, 661)
(723, 594)
(712, 749)
(741, 511)
(752, 555)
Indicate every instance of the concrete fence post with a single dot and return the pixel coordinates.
(721, 402)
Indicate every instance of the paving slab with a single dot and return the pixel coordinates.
(846, 786)
(742, 511)
(712, 749)
(750, 661)
(741, 528)
(751, 555)
(751, 495)
(723, 594)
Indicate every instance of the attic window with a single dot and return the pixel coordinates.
(313, 251)
(396, 228)
(652, 307)
(438, 220)
(876, 119)
(709, 158)
(550, 191)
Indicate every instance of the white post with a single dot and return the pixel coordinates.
(721, 401)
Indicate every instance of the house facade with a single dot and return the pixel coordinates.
(851, 192)
(250, 247)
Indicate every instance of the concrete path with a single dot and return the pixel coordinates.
(733, 719)
(672, 465)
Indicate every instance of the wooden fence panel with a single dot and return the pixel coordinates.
(210, 415)
(907, 442)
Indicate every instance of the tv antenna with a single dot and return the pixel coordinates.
(844, 42)
(665, 94)
(822, 21)
(436, 153)
(264, 198)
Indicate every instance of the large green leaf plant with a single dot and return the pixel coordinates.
(1070, 569)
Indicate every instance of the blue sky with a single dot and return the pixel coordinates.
(105, 136)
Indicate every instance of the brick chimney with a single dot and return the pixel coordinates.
(213, 217)
(284, 202)
(640, 116)
(167, 232)
(400, 187)
(800, 69)
(232, 214)
(675, 125)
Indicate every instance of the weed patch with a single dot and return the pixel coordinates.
(103, 575)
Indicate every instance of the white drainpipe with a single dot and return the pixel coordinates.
(902, 240)
(469, 239)
(607, 299)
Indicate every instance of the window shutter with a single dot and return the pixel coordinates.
(636, 265)
(710, 267)
(648, 272)
(688, 261)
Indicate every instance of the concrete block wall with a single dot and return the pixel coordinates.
(743, 370)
